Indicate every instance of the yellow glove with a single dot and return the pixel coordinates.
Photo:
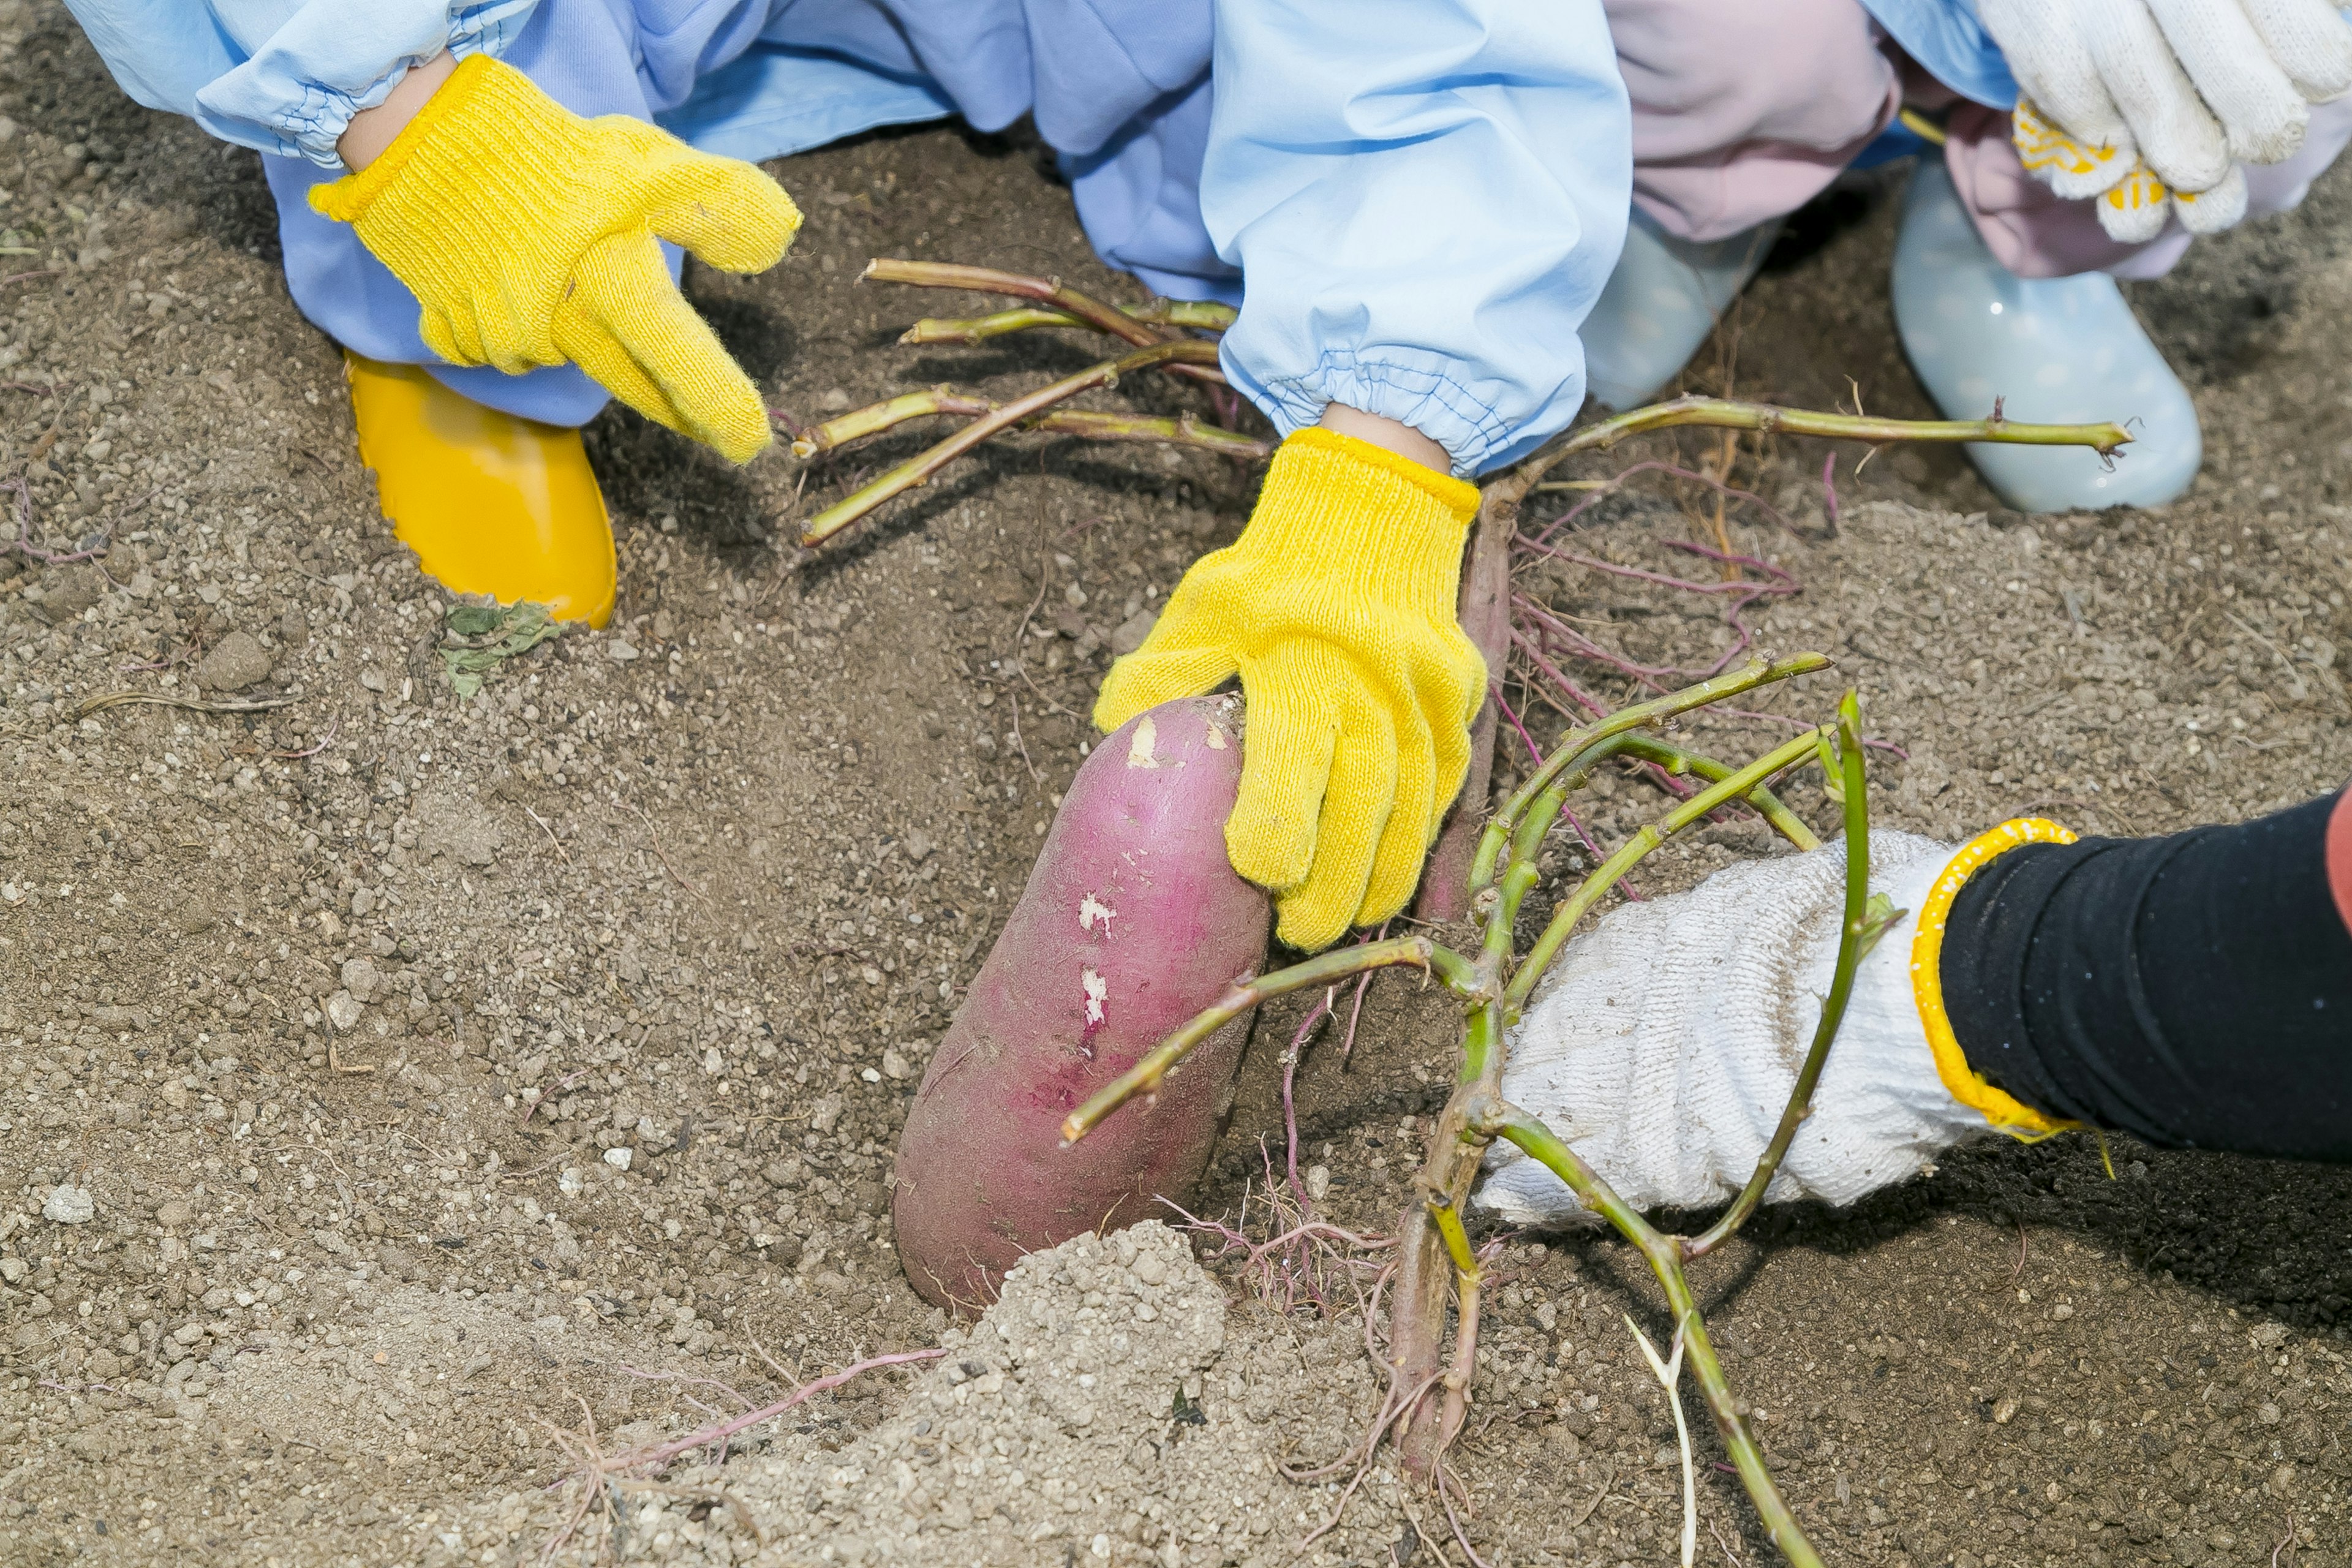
(1336, 607)
(528, 235)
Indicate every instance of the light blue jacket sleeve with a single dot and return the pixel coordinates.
(1951, 45)
(1426, 197)
(283, 76)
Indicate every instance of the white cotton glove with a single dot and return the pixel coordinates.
(2150, 105)
(1664, 1047)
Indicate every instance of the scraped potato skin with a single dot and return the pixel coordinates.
(1133, 921)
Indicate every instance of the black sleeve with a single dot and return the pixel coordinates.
(2194, 991)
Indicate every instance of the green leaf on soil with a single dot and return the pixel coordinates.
(479, 638)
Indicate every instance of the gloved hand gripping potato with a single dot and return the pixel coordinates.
(2150, 105)
(1336, 607)
(530, 236)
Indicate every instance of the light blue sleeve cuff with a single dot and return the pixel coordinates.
(1951, 45)
(1425, 198)
(1432, 392)
(295, 93)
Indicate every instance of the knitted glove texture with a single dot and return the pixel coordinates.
(1665, 1046)
(530, 235)
(2151, 105)
(1336, 607)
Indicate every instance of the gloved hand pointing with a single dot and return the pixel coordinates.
(530, 236)
(1336, 607)
(2150, 105)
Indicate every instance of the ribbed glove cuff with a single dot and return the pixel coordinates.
(1381, 529)
(480, 88)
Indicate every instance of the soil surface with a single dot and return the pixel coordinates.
(403, 1095)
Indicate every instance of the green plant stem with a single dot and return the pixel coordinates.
(1482, 1043)
(1680, 760)
(1457, 1240)
(1457, 1143)
(1083, 309)
(1413, 951)
(1498, 512)
(1520, 875)
(1756, 672)
(1183, 429)
(887, 414)
(1722, 413)
(1589, 892)
(1853, 938)
(1496, 1118)
(917, 471)
(972, 329)
(1205, 315)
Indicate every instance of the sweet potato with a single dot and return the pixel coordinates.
(1132, 922)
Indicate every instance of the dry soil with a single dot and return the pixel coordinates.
(391, 1081)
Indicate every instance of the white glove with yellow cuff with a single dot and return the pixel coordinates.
(2150, 105)
(1665, 1046)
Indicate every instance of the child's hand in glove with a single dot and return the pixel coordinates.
(1336, 607)
(2150, 105)
(530, 236)
(1665, 1047)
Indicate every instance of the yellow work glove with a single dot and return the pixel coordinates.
(1336, 607)
(529, 236)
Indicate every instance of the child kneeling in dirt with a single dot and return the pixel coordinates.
(483, 202)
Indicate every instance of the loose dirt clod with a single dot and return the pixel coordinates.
(236, 661)
(1107, 1408)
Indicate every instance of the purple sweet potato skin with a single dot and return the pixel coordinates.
(1133, 921)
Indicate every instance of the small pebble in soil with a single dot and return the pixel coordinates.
(235, 662)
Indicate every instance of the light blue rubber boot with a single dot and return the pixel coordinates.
(2054, 350)
(1660, 304)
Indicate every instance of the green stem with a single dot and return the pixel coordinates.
(1416, 952)
(1588, 892)
(1207, 315)
(1457, 1240)
(1482, 1044)
(1853, 942)
(971, 330)
(1756, 672)
(1520, 875)
(1723, 415)
(1083, 309)
(1182, 430)
(1679, 760)
(875, 417)
(917, 471)
(1663, 1253)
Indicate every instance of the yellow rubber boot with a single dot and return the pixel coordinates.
(492, 503)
